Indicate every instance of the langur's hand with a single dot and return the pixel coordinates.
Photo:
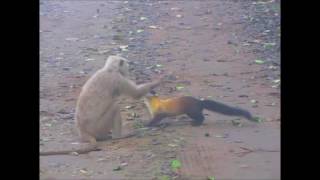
(163, 79)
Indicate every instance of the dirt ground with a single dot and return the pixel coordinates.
(226, 50)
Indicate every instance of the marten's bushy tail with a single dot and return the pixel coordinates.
(225, 109)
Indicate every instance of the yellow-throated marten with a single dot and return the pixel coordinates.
(162, 108)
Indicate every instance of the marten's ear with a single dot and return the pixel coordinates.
(121, 62)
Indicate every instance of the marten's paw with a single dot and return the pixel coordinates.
(150, 124)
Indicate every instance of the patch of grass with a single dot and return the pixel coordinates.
(275, 7)
(138, 124)
(164, 177)
(175, 164)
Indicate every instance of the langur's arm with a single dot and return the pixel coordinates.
(137, 91)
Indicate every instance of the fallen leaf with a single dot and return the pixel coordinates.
(72, 39)
(103, 51)
(129, 107)
(253, 101)
(140, 30)
(179, 87)
(153, 27)
(257, 119)
(258, 61)
(272, 67)
(124, 47)
(268, 45)
(256, 40)
(236, 123)
(123, 164)
(276, 81)
(90, 59)
(175, 9)
(172, 145)
(219, 136)
(143, 18)
(83, 171)
(101, 160)
(48, 124)
(74, 153)
(117, 168)
(45, 139)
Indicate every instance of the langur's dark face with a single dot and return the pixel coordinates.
(124, 67)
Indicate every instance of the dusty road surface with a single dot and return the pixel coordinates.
(225, 50)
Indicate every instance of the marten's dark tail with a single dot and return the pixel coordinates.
(225, 109)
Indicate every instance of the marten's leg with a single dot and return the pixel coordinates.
(197, 118)
(156, 120)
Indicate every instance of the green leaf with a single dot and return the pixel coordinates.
(253, 101)
(175, 164)
(211, 178)
(172, 145)
(258, 61)
(124, 47)
(164, 177)
(143, 18)
(257, 119)
(236, 123)
(276, 81)
(269, 45)
(179, 87)
(140, 30)
(117, 168)
(129, 107)
(153, 27)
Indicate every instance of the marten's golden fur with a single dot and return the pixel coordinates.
(162, 108)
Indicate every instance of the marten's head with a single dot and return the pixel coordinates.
(152, 103)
